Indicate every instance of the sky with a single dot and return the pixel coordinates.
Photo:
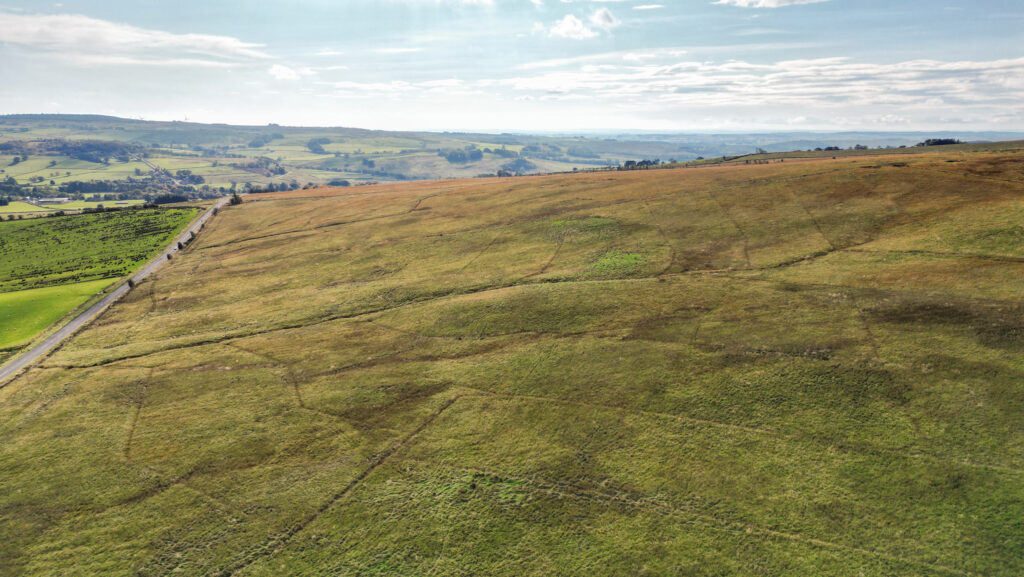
(523, 65)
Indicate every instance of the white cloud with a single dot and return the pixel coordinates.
(766, 3)
(604, 19)
(397, 50)
(90, 40)
(607, 57)
(648, 6)
(282, 72)
(571, 27)
(825, 83)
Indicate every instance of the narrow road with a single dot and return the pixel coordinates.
(159, 171)
(42, 349)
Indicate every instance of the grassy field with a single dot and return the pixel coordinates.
(57, 169)
(84, 204)
(77, 248)
(25, 314)
(20, 207)
(24, 208)
(800, 368)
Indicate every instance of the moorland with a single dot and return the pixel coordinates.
(809, 367)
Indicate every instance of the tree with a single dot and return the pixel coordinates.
(316, 145)
(939, 142)
(235, 199)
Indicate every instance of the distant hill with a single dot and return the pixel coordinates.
(47, 154)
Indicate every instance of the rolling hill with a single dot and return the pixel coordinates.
(809, 367)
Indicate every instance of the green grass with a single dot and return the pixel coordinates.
(24, 314)
(77, 248)
(82, 204)
(792, 369)
(40, 166)
(20, 207)
(618, 262)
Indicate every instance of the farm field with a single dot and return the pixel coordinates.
(25, 314)
(75, 248)
(799, 368)
(84, 204)
(62, 169)
(51, 266)
(15, 207)
(36, 210)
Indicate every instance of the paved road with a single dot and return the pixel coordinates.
(42, 349)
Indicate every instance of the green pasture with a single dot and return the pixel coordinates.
(40, 166)
(76, 248)
(20, 207)
(84, 204)
(25, 314)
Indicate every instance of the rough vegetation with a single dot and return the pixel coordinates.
(801, 368)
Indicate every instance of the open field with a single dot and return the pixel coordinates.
(76, 248)
(62, 169)
(16, 207)
(800, 368)
(24, 314)
(36, 210)
(84, 204)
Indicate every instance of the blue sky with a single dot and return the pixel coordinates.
(553, 65)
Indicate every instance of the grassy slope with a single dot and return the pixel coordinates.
(24, 314)
(45, 252)
(793, 369)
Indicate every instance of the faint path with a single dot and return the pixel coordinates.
(42, 349)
